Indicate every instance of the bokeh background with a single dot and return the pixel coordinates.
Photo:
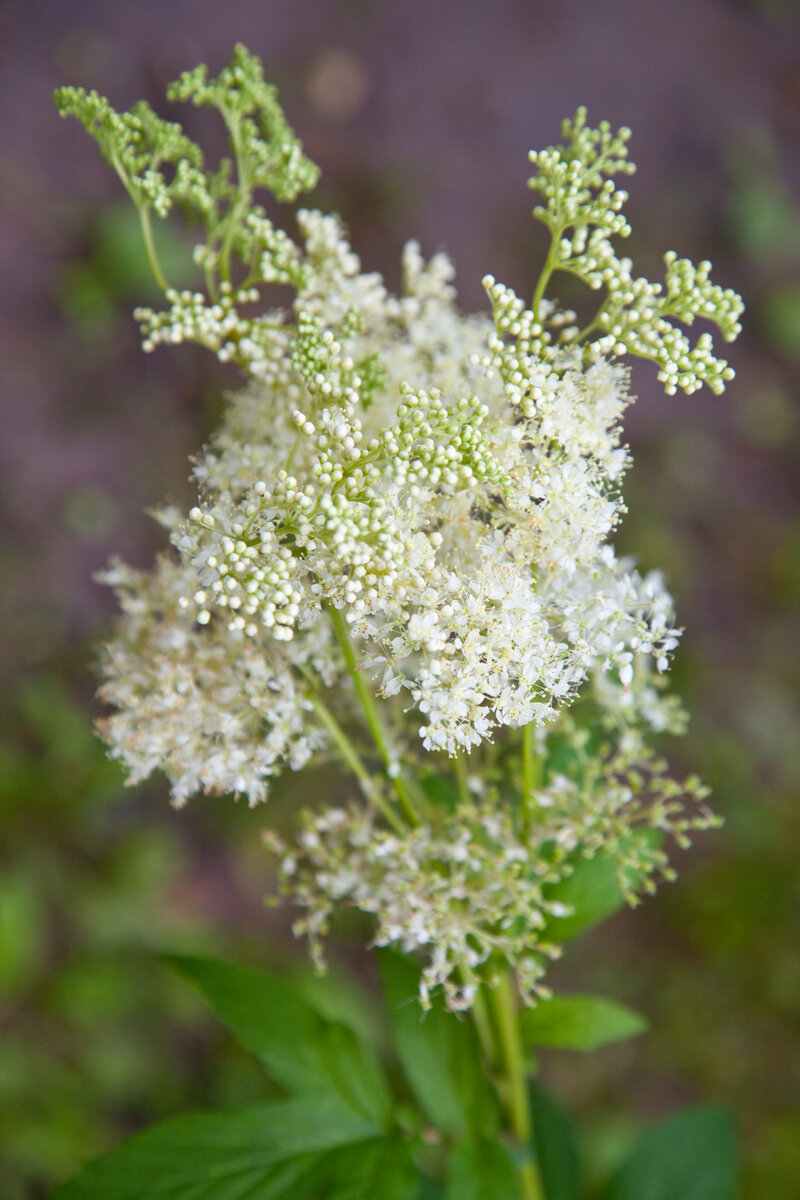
(421, 114)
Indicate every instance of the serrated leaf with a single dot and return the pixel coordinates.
(689, 1156)
(556, 1147)
(381, 1170)
(439, 1054)
(481, 1170)
(263, 1153)
(579, 1023)
(300, 1049)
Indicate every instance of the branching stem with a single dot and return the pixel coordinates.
(150, 248)
(144, 222)
(351, 758)
(371, 716)
(550, 264)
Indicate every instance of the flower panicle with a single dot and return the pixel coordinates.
(401, 552)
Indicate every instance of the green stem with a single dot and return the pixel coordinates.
(241, 204)
(531, 767)
(371, 716)
(551, 262)
(584, 333)
(462, 780)
(351, 758)
(150, 247)
(483, 1024)
(505, 1010)
(144, 223)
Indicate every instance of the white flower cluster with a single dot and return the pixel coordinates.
(210, 719)
(403, 530)
(462, 529)
(462, 894)
(476, 887)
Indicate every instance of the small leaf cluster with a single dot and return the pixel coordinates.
(583, 211)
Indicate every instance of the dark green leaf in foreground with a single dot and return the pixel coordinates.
(439, 1054)
(264, 1153)
(300, 1049)
(689, 1156)
(379, 1170)
(481, 1170)
(556, 1147)
(579, 1023)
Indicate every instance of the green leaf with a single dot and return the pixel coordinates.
(381, 1170)
(579, 1023)
(556, 1147)
(480, 1170)
(430, 1190)
(300, 1049)
(263, 1153)
(689, 1156)
(439, 1054)
(340, 998)
(591, 892)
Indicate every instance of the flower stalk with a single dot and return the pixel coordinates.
(515, 1090)
(372, 717)
(352, 761)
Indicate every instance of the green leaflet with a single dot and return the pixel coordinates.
(302, 1051)
(381, 1170)
(439, 1054)
(556, 1147)
(689, 1156)
(481, 1170)
(600, 886)
(263, 1153)
(579, 1023)
(343, 1000)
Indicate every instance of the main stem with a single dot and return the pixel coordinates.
(503, 1052)
(516, 1091)
(531, 774)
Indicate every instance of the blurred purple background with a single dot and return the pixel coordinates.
(421, 115)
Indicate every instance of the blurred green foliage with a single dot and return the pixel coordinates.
(96, 1035)
(97, 290)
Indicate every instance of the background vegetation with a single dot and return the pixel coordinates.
(420, 114)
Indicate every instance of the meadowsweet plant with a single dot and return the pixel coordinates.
(401, 562)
